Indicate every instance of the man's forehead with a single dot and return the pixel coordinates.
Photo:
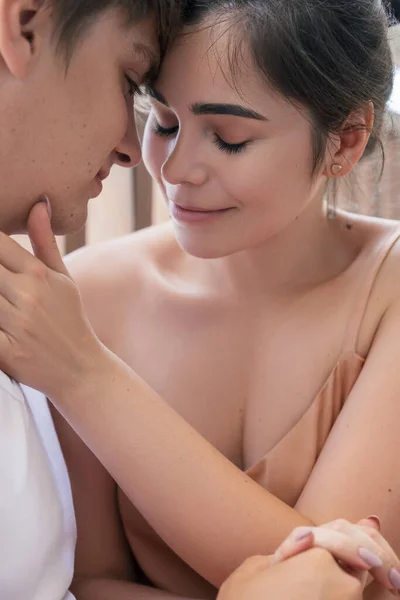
(149, 55)
(145, 44)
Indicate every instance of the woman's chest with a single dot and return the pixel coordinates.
(242, 379)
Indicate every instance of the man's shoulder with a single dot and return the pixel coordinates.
(15, 396)
(10, 388)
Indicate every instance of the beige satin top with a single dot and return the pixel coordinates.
(286, 468)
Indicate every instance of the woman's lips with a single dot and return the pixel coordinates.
(194, 215)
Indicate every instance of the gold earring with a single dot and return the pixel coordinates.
(336, 169)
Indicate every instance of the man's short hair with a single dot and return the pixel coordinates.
(72, 17)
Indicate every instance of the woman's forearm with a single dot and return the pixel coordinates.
(206, 509)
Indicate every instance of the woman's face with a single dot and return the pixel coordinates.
(234, 159)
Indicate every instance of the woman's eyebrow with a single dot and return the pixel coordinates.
(235, 110)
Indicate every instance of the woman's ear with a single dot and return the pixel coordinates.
(18, 34)
(351, 141)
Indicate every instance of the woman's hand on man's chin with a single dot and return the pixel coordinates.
(46, 341)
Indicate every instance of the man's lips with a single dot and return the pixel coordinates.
(103, 174)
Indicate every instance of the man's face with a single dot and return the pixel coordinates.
(63, 128)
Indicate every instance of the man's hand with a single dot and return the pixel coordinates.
(312, 575)
(327, 562)
(359, 548)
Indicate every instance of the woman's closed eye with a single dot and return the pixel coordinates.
(218, 141)
(229, 148)
(165, 131)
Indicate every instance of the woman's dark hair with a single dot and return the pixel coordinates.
(395, 7)
(72, 17)
(330, 56)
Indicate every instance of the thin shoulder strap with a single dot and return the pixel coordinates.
(373, 265)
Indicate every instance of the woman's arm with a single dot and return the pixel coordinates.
(104, 566)
(188, 491)
(358, 469)
(353, 476)
(207, 510)
(116, 589)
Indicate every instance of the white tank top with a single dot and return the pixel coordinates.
(37, 524)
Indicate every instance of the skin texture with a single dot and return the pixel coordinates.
(224, 341)
(344, 541)
(61, 127)
(239, 366)
(316, 572)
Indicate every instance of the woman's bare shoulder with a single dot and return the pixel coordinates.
(136, 255)
(383, 246)
(121, 274)
(380, 276)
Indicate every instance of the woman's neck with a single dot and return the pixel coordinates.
(310, 250)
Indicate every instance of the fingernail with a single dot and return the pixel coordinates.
(371, 559)
(394, 577)
(46, 200)
(302, 535)
(376, 520)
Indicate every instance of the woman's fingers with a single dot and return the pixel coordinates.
(18, 260)
(6, 315)
(7, 286)
(357, 548)
(42, 238)
(297, 542)
(372, 521)
(13, 257)
(342, 546)
(349, 542)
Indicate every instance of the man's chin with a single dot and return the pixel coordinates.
(68, 224)
(61, 230)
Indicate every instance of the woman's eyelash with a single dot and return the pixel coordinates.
(219, 142)
(165, 131)
(229, 148)
(133, 88)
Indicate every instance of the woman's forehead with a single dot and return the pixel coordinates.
(204, 67)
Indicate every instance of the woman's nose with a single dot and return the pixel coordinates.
(184, 165)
